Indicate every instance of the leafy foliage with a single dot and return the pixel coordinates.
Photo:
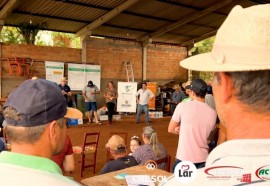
(204, 46)
(29, 31)
(11, 35)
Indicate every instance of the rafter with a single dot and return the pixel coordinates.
(106, 17)
(7, 9)
(204, 36)
(184, 21)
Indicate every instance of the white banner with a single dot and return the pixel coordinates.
(54, 71)
(80, 74)
(126, 101)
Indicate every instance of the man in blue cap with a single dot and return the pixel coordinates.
(35, 124)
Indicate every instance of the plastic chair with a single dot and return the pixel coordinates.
(89, 148)
(123, 135)
(166, 160)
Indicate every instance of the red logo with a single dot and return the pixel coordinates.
(185, 167)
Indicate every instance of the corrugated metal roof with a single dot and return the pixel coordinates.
(179, 22)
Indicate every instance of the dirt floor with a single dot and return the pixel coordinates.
(126, 123)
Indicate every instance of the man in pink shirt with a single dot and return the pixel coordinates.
(193, 121)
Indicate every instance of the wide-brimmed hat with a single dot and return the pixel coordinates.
(242, 43)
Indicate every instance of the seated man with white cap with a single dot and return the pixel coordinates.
(117, 148)
(35, 124)
(241, 63)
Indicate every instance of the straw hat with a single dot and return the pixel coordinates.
(63, 79)
(185, 84)
(176, 86)
(242, 43)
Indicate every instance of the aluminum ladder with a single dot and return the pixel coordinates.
(129, 70)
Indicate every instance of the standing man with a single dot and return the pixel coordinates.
(177, 96)
(65, 89)
(89, 93)
(142, 99)
(241, 65)
(193, 121)
(35, 124)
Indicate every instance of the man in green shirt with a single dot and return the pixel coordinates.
(35, 124)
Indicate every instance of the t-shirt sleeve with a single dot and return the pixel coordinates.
(68, 89)
(84, 89)
(177, 113)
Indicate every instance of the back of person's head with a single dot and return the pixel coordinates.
(198, 86)
(150, 133)
(116, 145)
(31, 107)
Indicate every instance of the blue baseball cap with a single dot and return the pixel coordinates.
(38, 102)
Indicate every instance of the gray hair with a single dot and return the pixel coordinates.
(28, 135)
(150, 133)
(252, 88)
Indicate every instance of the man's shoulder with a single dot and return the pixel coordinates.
(19, 175)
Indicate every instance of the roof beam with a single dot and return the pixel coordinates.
(204, 36)
(7, 9)
(106, 17)
(184, 21)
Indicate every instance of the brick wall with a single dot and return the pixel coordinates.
(162, 61)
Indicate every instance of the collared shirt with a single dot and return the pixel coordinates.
(145, 95)
(250, 155)
(20, 169)
(177, 97)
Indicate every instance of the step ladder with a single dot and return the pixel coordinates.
(129, 70)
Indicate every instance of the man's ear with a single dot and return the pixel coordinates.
(226, 88)
(52, 130)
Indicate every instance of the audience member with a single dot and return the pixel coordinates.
(241, 65)
(152, 149)
(193, 121)
(209, 99)
(186, 86)
(143, 96)
(135, 142)
(66, 91)
(65, 159)
(117, 148)
(35, 124)
(177, 96)
(89, 93)
(111, 95)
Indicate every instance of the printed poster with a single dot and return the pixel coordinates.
(54, 71)
(80, 74)
(126, 101)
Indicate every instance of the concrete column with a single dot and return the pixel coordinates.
(84, 40)
(144, 60)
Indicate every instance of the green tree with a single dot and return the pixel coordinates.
(65, 40)
(204, 46)
(11, 35)
(29, 31)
